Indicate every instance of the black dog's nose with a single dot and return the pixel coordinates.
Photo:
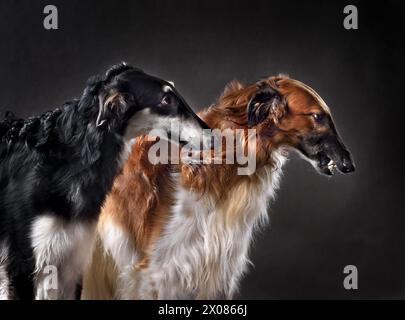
(347, 166)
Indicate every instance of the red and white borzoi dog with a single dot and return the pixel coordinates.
(162, 235)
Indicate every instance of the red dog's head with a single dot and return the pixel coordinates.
(284, 112)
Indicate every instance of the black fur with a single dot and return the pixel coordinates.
(45, 159)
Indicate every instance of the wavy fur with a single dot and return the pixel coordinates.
(191, 239)
(57, 168)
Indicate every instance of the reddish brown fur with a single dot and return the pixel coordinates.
(142, 195)
(230, 113)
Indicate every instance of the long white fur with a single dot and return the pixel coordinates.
(202, 254)
(65, 246)
(4, 281)
(117, 243)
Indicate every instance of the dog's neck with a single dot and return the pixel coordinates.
(99, 152)
(229, 114)
(213, 208)
(209, 235)
(214, 217)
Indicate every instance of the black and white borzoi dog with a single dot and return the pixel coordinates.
(56, 169)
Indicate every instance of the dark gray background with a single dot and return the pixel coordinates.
(318, 225)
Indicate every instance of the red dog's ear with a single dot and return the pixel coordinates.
(266, 103)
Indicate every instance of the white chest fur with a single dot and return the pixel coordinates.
(203, 250)
(62, 250)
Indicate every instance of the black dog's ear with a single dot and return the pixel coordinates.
(107, 103)
(266, 103)
(111, 105)
(111, 101)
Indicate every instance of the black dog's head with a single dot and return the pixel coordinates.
(141, 102)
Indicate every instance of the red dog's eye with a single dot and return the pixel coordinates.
(318, 116)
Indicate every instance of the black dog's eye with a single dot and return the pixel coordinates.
(166, 100)
(318, 116)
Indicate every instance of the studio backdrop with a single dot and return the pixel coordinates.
(318, 226)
